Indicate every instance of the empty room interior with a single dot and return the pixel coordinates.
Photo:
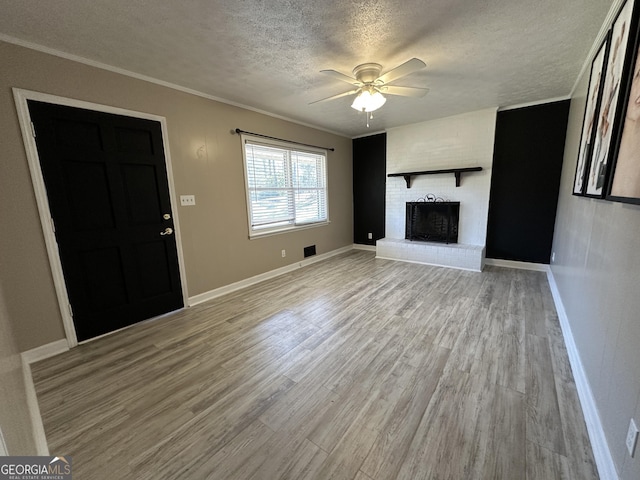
(364, 240)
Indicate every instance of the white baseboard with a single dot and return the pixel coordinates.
(45, 351)
(601, 451)
(34, 411)
(247, 282)
(3, 446)
(29, 357)
(497, 262)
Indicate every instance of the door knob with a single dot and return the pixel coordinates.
(166, 216)
(167, 231)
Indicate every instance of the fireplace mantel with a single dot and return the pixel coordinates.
(456, 171)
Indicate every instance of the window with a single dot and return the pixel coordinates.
(286, 185)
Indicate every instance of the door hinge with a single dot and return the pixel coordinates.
(70, 309)
(33, 130)
(53, 225)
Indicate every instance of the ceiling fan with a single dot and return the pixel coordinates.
(370, 85)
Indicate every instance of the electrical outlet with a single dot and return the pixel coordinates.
(187, 200)
(370, 236)
(632, 437)
(284, 253)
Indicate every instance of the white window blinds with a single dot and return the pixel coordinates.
(286, 185)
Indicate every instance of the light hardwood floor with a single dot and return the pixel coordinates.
(352, 368)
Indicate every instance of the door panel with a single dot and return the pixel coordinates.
(152, 276)
(134, 140)
(142, 208)
(108, 192)
(87, 194)
(103, 279)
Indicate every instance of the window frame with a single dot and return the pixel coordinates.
(290, 147)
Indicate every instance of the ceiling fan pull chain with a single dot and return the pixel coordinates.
(370, 117)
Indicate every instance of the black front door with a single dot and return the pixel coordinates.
(108, 193)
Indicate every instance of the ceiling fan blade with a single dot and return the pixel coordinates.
(406, 68)
(340, 95)
(403, 91)
(341, 76)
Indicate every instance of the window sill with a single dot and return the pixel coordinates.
(289, 229)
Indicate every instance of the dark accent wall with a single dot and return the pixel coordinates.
(525, 181)
(369, 186)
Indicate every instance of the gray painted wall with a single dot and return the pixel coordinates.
(597, 270)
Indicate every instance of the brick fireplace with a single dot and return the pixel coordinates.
(454, 142)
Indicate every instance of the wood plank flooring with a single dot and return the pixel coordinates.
(352, 368)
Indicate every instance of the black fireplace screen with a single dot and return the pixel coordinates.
(432, 221)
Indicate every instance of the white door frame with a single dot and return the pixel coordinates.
(21, 96)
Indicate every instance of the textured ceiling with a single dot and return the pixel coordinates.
(268, 54)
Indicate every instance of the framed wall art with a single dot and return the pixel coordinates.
(611, 102)
(625, 178)
(594, 95)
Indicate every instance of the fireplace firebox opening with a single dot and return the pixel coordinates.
(432, 221)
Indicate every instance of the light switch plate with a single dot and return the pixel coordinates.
(187, 200)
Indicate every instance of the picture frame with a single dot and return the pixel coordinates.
(616, 65)
(624, 182)
(592, 109)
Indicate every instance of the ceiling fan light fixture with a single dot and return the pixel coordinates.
(366, 101)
